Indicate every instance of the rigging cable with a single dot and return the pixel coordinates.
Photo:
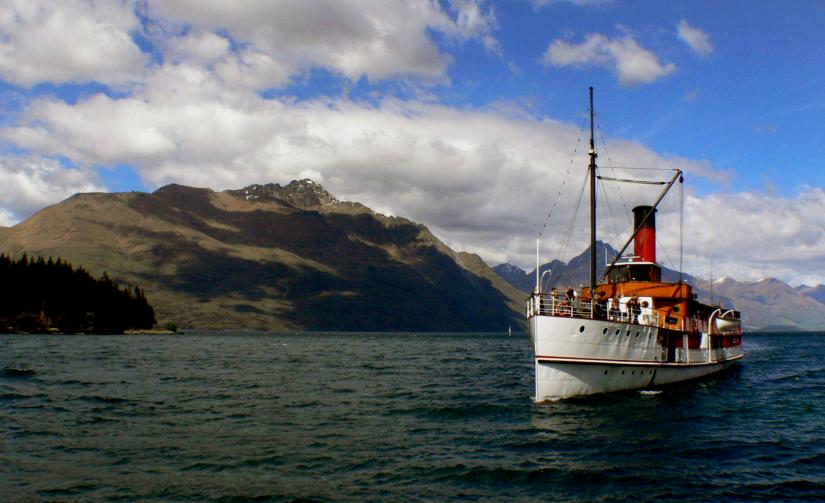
(612, 169)
(616, 229)
(664, 250)
(563, 181)
(568, 233)
(611, 216)
(637, 168)
(628, 220)
(661, 246)
(628, 180)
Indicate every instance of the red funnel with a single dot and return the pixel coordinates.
(644, 242)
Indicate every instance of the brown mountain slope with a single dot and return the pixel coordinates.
(771, 304)
(271, 257)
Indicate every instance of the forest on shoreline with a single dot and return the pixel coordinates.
(41, 295)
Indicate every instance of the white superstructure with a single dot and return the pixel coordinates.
(628, 329)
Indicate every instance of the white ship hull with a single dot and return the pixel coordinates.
(576, 356)
(628, 329)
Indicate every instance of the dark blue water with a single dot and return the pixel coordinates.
(395, 417)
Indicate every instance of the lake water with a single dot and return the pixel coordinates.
(392, 417)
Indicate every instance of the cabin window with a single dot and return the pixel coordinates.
(635, 272)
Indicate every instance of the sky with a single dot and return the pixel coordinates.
(468, 116)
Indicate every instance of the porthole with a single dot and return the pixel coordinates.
(604, 331)
(617, 331)
(581, 328)
(622, 372)
(628, 333)
(637, 334)
(633, 372)
(605, 372)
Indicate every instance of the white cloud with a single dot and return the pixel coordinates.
(581, 3)
(751, 236)
(766, 128)
(28, 184)
(692, 96)
(631, 63)
(696, 39)
(68, 41)
(472, 23)
(356, 38)
(482, 179)
(252, 69)
(7, 218)
(257, 43)
(203, 48)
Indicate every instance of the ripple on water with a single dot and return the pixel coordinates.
(17, 372)
(428, 417)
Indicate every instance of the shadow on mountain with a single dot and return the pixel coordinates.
(368, 289)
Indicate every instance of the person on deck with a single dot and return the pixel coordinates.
(633, 306)
(613, 308)
(645, 314)
(571, 298)
(600, 306)
(554, 300)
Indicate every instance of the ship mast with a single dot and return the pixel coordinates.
(593, 156)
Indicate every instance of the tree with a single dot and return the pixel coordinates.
(42, 295)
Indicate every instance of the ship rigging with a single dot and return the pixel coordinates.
(628, 329)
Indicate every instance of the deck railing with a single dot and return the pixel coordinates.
(544, 304)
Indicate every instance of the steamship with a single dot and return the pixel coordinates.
(628, 329)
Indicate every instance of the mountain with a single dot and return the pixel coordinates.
(523, 281)
(576, 272)
(771, 304)
(815, 292)
(768, 304)
(271, 257)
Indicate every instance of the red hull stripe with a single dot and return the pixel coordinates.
(640, 363)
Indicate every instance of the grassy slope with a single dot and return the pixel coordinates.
(215, 260)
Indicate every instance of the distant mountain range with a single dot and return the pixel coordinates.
(768, 304)
(816, 292)
(272, 257)
(295, 258)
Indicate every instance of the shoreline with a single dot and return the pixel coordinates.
(150, 331)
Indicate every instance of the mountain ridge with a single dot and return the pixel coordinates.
(767, 304)
(289, 258)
